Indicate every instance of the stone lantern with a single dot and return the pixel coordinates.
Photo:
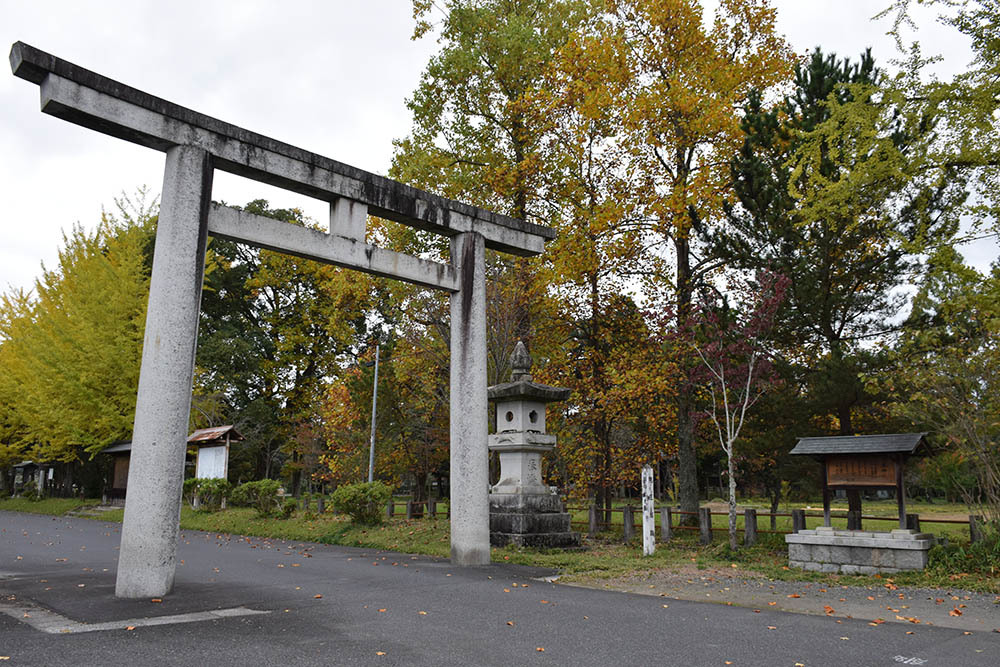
(523, 510)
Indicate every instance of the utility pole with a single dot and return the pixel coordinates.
(371, 451)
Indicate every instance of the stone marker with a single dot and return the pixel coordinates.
(648, 512)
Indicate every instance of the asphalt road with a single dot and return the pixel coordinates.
(331, 605)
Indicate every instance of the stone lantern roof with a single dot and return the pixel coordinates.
(521, 386)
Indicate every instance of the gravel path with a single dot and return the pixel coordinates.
(880, 602)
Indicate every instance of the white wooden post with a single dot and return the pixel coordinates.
(648, 513)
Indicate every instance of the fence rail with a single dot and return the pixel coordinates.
(599, 519)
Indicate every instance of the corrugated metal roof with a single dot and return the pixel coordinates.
(906, 443)
(214, 433)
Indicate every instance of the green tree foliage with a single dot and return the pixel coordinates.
(831, 194)
(948, 377)
(273, 328)
(70, 351)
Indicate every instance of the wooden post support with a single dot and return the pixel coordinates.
(666, 524)
(854, 521)
(900, 494)
(628, 522)
(749, 527)
(409, 509)
(798, 520)
(826, 496)
(705, 524)
(592, 526)
(432, 507)
(390, 508)
(975, 528)
(320, 505)
(913, 522)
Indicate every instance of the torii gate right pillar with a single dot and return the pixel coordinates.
(470, 511)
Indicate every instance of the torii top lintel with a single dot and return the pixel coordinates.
(94, 101)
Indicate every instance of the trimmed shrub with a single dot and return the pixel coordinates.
(288, 508)
(364, 503)
(210, 493)
(262, 495)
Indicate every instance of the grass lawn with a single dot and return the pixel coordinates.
(53, 506)
(605, 555)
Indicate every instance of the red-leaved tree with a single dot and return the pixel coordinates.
(732, 343)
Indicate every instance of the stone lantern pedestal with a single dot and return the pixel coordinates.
(523, 510)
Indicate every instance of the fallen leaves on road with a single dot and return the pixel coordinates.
(540, 649)
(955, 612)
(794, 595)
(828, 609)
(379, 652)
(382, 610)
(131, 627)
(544, 601)
(317, 596)
(771, 604)
(510, 623)
(156, 600)
(422, 613)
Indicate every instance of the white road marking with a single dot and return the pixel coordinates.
(52, 623)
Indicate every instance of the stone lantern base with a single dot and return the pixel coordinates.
(530, 520)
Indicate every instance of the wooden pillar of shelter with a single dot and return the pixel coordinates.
(900, 493)
(826, 493)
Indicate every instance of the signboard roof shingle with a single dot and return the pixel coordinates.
(904, 443)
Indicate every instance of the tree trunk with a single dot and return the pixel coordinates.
(733, 541)
(775, 499)
(687, 468)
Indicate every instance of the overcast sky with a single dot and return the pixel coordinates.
(329, 76)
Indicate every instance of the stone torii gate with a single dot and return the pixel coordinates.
(195, 146)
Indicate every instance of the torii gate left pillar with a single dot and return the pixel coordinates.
(195, 146)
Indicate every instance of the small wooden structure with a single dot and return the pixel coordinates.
(863, 462)
(121, 454)
(212, 460)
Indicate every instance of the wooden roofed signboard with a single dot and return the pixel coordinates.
(855, 462)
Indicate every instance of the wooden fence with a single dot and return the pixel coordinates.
(669, 524)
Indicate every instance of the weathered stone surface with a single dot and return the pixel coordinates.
(470, 541)
(517, 502)
(510, 522)
(147, 560)
(81, 96)
(537, 540)
(858, 552)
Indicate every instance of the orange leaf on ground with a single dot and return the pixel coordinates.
(828, 609)
(540, 649)
(771, 604)
(381, 610)
(794, 595)
(317, 596)
(510, 623)
(156, 600)
(955, 612)
(131, 627)
(379, 652)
